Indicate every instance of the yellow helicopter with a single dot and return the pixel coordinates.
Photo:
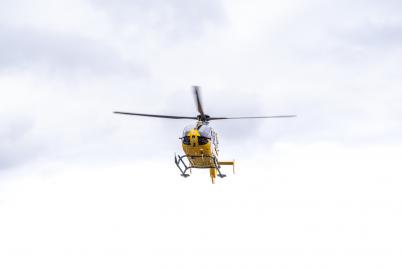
(200, 142)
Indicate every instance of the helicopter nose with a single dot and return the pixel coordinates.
(194, 137)
(193, 140)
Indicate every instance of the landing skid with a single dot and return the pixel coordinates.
(183, 167)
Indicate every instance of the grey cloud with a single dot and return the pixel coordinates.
(17, 144)
(382, 37)
(342, 31)
(170, 20)
(311, 76)
(341, 58)
(31, 48)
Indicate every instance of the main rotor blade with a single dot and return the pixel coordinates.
(252, 117)
(159, 116)
(198, 101)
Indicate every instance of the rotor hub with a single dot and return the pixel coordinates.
(203, 118)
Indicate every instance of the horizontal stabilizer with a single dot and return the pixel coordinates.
(227, 163)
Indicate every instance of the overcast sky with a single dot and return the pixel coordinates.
(81, 186)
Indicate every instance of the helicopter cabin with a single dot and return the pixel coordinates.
(199, 141)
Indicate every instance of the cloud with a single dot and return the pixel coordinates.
(63, 54)
(144, 56)
(17, 144)
(319, 198)
(81, 184)
(172, 20)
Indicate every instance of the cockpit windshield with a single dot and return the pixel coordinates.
(187, 130)
(204, 130)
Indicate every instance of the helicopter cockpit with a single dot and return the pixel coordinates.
(205, 131)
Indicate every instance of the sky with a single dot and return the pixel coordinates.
(81, 186)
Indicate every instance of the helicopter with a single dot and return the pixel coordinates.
(200, 141)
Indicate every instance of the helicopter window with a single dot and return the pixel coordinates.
(202, 140)
(186, 140)
(205, 131)
(187, 129)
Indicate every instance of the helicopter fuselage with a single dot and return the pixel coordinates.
(200, 144)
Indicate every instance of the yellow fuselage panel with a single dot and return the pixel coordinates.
(198, 155)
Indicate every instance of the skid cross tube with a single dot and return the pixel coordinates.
(178, 159)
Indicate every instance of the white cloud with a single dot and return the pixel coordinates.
(314, 205)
